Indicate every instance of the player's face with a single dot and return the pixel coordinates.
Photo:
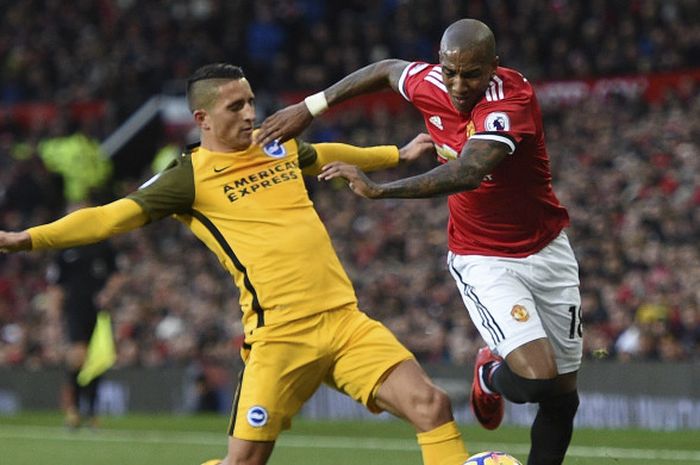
(232, 116)
(466, 75)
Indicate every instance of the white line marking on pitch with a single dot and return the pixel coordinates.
(320, 442)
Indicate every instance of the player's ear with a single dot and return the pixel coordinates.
(201, 118)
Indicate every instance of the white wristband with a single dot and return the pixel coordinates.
(316, 103)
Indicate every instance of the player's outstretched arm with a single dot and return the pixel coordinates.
(292, 120)
(80, 227)
(314, 156)
(479, 158)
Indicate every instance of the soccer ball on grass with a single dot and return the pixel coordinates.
(492, 458)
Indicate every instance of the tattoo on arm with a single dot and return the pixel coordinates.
(371, 78)
(478, 159)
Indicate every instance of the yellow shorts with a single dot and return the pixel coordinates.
(288, 362)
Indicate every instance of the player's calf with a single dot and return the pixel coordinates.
(552, 429)
(408, 393)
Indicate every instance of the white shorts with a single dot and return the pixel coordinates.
(513, 301)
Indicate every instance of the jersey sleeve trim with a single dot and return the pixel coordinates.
(171, 191)
(498, 137)
(495, 90)
(402, 81)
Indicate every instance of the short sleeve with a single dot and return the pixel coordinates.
(410, 79)
(505, 115)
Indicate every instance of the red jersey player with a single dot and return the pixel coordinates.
(508, 253)
(513, 212)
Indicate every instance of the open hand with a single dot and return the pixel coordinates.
(421, 145)
(284, 124)
(357, 181)
(14, 241)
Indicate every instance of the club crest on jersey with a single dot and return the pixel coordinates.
(446, 152)
(275, 149)
(497, 121)
(257, 416)
(471, 130)
(520, 313)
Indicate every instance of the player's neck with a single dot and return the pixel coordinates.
(215, 146)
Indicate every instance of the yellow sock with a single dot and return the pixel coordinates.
(443, 446)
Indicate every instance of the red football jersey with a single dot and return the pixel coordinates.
(514, 212)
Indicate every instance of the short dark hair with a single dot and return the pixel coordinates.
(202, 86)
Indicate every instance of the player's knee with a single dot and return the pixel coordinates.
(521, 390)
(537, 390)
(432, 405)
(564, 405)
(533, 390)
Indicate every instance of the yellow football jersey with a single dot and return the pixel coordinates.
(252, 209)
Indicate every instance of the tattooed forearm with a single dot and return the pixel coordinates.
(366, 80)
(446, 179)
(478, 159)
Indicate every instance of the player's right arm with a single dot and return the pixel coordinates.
(80, 227)
(292, 120)
(171, 191)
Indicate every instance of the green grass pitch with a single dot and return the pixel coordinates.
(33, 438)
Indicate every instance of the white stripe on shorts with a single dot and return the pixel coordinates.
(488, 322)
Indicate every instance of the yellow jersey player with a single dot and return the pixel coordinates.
(249, 205)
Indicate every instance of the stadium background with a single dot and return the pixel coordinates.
(619, 85)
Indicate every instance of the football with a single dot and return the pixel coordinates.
(492, 458)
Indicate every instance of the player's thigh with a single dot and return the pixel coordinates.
(555, 289)
(365, 353)
(533, 360)
(500, 305)
(281, 372)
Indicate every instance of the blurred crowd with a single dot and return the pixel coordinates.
(628, 170)
(124, 51)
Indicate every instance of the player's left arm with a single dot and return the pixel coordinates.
(312, 157)
(478, 158)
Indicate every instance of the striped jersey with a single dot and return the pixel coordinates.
(252, 209)
(514, 212)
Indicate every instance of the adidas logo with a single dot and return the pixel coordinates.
(436, 121)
